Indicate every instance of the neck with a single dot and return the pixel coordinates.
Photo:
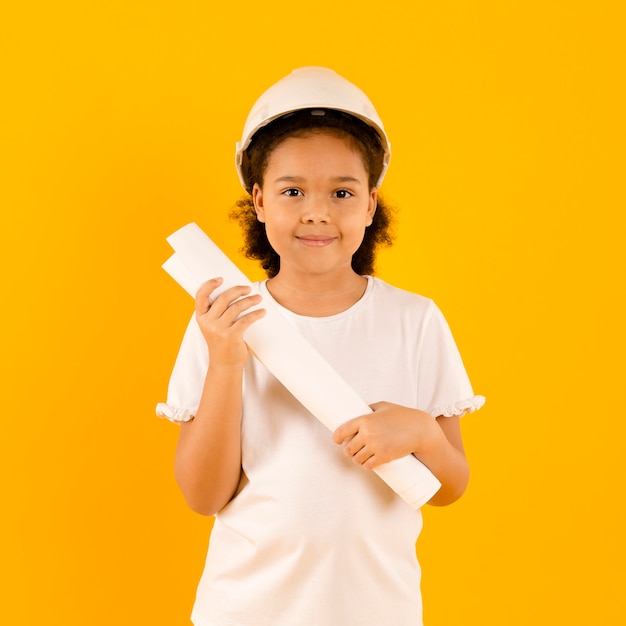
(316, 296)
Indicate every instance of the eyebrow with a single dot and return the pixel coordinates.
(298, 179)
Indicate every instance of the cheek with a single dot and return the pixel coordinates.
(356, 235)
(276, 233)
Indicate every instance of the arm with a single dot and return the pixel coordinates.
(208, 456)
(393, 431)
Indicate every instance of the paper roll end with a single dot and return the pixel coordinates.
(418, 495)
(184, 230)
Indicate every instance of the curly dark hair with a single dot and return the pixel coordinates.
(361, 137)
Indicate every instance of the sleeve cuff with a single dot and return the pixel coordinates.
(173, 413)
(459, 408)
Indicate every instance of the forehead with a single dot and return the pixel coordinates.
(310, 145)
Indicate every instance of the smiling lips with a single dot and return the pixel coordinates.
(316, 241)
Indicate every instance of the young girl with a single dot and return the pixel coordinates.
(304, 533)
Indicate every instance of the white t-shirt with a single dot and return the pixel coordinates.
(311, 539)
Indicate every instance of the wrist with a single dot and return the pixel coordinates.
(429, 435)
(224, 374)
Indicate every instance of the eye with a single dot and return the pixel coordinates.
(292, 192)
(342, 193)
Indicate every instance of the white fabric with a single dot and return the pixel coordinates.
(310, 539)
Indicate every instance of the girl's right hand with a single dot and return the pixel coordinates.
(224, 321)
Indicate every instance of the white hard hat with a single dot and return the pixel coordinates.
(311, 88)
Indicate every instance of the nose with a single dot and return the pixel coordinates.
(316, 211)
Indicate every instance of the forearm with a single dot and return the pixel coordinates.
(442, 452)
(208, 456)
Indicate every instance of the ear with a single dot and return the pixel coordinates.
(373, 203)
(257, 199)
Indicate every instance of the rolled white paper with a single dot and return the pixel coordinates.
(291, 358)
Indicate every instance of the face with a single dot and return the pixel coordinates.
(316, 203)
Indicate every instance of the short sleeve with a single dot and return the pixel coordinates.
(444, 388)
(187, 378)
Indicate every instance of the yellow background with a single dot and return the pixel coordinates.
(118, 126)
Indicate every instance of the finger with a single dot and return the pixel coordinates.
(345, 431)
(371, 463)
(245, 321)
(219, 304)
(203, 295)
(237, 308)
(363, 457)
(353, 446)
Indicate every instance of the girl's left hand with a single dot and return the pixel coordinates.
(390, 432)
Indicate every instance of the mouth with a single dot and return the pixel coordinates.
(316, 241)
